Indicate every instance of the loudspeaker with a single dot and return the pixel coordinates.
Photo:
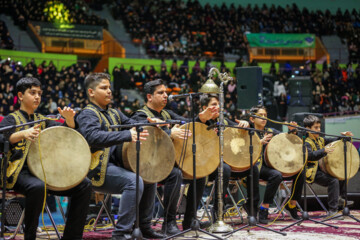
(301, 101)
(273, 113)
(249, 87)
(13, 211)
(300, 86)
(296, 109)
(299, 117)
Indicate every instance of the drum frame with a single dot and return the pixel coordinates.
(36, 154)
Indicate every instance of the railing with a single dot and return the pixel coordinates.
(347, 113)
(20, 44)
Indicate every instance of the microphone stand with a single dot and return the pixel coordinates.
(4, 169)
(195, 225)
(136, 234)
(220, 226)
(346, 211)
(252, 218)
(305, 215)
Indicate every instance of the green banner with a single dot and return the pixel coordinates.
(281, 40)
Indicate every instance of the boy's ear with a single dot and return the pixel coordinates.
(20, 96)
(91, 92)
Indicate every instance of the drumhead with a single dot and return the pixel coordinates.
(334, 162)
(207, 151)
(284, 153)
(236, 149)
(157, 156)
(65, 155)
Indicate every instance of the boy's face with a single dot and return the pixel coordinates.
(101, 95)
(316, 127)
(30, 99)
(159, 98)
(259, 123)
(214, 103)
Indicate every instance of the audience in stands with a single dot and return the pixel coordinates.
(24, 10)
(335, 89)
(178, 28)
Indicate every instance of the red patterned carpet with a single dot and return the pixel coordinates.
(348, 230)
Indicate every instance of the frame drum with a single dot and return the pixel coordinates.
(157, 156)
(284, 153)
(236, 149)
(334, 162)
(65, 156)
(207, 151)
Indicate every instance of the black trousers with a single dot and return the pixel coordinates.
(172, 185)
(200, 187)
(274, 178)
(227, 173)
(33, 189)
(255, 190)
(335, 188)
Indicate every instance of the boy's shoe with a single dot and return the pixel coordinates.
(342, 202)
(263, 216)
(333, 213)
(292, 212)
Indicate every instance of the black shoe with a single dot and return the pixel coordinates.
(205, 224)
(292, 212)
(170, 228)
(263, 216)
(125, 236)
(187, 224)
(151, 234)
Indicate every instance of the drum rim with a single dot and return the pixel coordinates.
(57, 188)
(255, 158)
(186, 174)
(266, 159)
(129, 166)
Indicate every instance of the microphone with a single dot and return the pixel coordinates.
(170, 121)
(174, 97)
(55, 117)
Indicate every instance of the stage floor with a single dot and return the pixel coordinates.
(348, 229)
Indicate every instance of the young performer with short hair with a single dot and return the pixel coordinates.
(317, 149)
(22, 180)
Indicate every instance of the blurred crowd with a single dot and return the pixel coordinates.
(169, 29)
(334, 89)
(75, 12)
(180, 28)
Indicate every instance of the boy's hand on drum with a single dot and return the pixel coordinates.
(292, 128)
(68, 113)
(142, 137)
(329, 149)
(32, 133)
(157, 120)
(242, 123)
(347, 133)
(266, 139)
(177, 132)
(208, 113)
